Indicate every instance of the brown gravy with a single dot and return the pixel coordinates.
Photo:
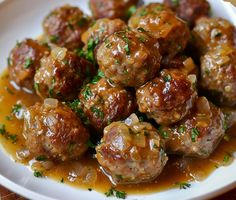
(86, 173)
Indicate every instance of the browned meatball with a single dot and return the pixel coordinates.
(23, 61)
(61, 74)
(111, 8)
(189, 10)
(65, 25)
(104, 103)
(167, 98)
(53, 130)
(129, 58)
(199, 133)
(208, 33)
(100, 30)
(161, 23)
(131, 151)
(218, 74)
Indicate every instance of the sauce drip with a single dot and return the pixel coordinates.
(86, 173)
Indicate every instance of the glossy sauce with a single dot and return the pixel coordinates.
(86, 172)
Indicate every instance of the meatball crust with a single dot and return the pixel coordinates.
(65, 25)
(129, 58)
(189, 10)
(104, 103)
(53, 130)
(111, 8)
(199, 133)
(23, 61)
(131, 151)
(62, 74)
(167, 98)
(101, 29)
(161, 23)
(211, 32)
(218, 74)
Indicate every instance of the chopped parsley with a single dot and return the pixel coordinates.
(181, 129)
(167, 78)
(90, 189)
(143, 12)
(38, 174)
(175, 2)
(88, 53)
(194, 134)
(183, 185)
(97, 112)
(2, 129)
(163, 133)
(131, 11)
(227, 158)
(16, 109)
(155, 146)
(113, 192)
(12, 137)
(8, 136)
(96, 78)
(62, 180)
(90, 144)
(127, 49)
(87, 92)
(9, 61)
(28, 62)
(82, 22)
(54, 38)
(8, 117)
(142, 39)
(159, 8)
(141, 30)
(36, 86)
(9, 90)
(41, 158)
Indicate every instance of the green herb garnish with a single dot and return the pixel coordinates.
(194, 134)
(116, 193)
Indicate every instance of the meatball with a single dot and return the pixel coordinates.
(209, 33)
(23, 61)
(161, 23)
(111, 8)
(65, 25)
(189, 10)
(131, 151)
(53, 130)
(218, 74)
(61, 74)
(167, 98)
(199, 133)
(100, 30)
(104, 103)
(129, 58)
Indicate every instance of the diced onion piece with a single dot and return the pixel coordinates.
(58, 53)
(50, 103)
(132, 119)
(192, 78)
(22, 154)
(189, 65)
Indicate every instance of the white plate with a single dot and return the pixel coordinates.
(22, 18)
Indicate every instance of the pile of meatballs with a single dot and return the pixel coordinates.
(144, 81)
